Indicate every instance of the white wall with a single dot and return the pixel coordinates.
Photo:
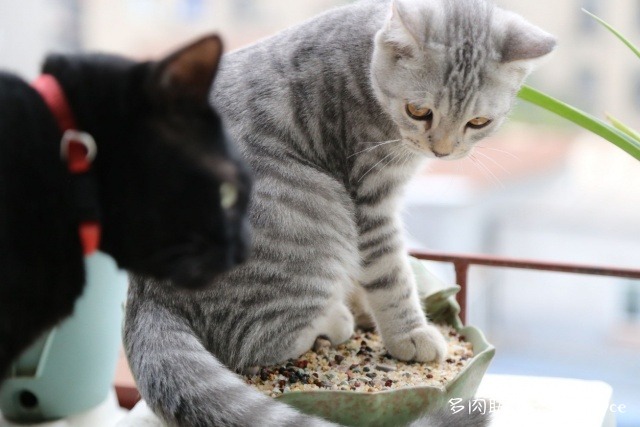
(28, 30)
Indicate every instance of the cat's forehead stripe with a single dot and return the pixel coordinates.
(468, 38)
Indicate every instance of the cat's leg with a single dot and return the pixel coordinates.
(304, 259)
(361, 310)
(337, 324)
(391, 290)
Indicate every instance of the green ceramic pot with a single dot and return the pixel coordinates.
(398, 407)
(70, 369)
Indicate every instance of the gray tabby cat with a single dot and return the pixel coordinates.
(334, 116)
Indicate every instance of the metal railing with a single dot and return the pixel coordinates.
(462, 263)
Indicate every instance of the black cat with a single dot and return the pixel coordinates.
(166, 186)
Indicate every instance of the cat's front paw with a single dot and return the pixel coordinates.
(340, 324)
(336, 326)
(423, 344)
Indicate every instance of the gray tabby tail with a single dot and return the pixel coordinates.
(334, 116)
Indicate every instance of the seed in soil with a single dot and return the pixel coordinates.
(324, 369)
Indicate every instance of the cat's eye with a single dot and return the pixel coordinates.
(478, 122)
(419, 113)
(228, 195)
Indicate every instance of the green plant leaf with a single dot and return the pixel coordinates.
(615, 32)
(622, 127)
(582, 119)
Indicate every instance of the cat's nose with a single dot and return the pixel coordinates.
(443, 147)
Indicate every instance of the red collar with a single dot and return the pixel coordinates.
(77, 148)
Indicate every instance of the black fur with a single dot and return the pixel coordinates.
(162, 155)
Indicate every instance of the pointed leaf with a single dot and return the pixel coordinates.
(624, 128)
(615, 32)
(585, 120)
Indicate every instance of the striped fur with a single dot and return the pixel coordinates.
(310, 107)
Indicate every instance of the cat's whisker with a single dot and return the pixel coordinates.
(407, 156)
(374, 166)
(492, 160)
(404, 157)
(481, 166)
(396, 156)
(378, 144)
(500, 151)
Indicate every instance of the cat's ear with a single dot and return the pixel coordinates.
(403, 32)
(188, 73)
(522, 41)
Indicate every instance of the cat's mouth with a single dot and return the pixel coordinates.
(431, 150)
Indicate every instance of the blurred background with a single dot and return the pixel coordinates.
(539, 189)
